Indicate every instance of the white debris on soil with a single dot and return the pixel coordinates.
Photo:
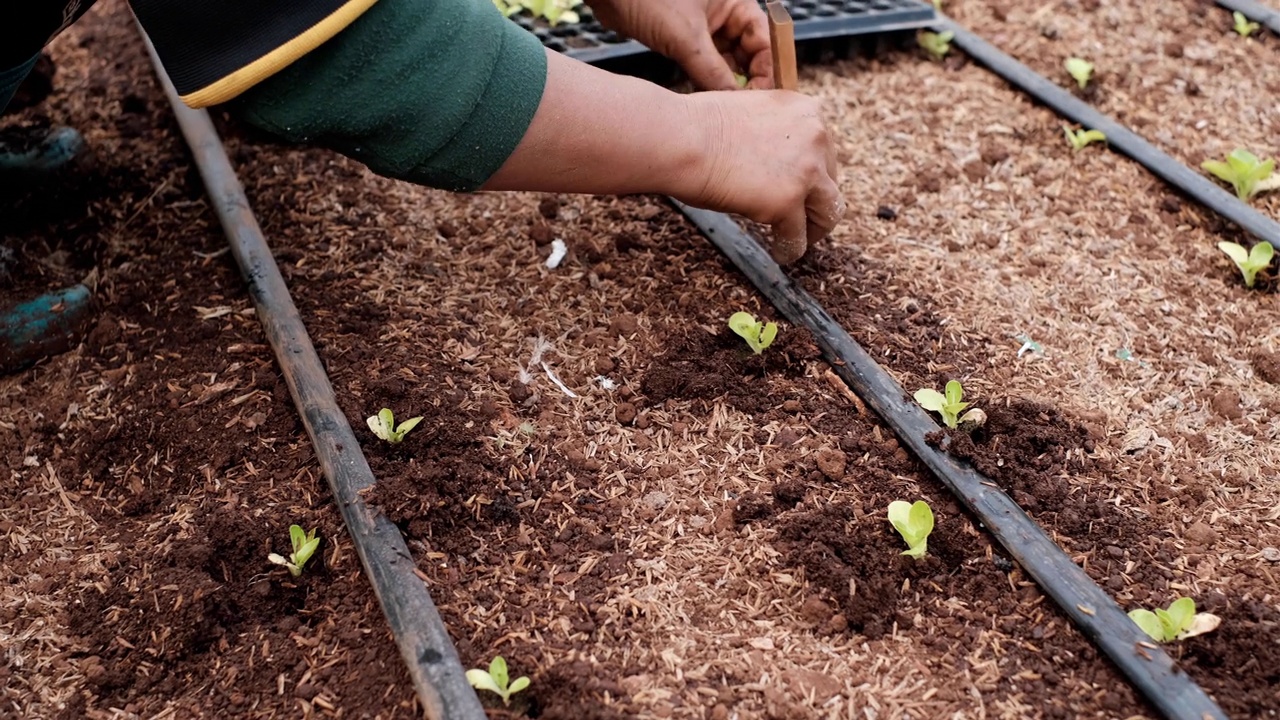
(558, 251)
(541, 346)
(606, 383)
(556, 380)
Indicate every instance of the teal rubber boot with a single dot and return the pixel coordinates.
(46, 326)
(55, 322)
(29, 155)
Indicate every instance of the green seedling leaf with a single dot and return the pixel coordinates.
(304, 546)
(936, 44)
(495, 680)
(955, 393)
(1080, 69)
(481, 680)
(498, 671)
(384, 426)
(741, 80)
(553, 11)
(408, 425)
(1082, 138)
(508, 9)
(1250, 262)
(1180, 614)
(297, 537)
(1149, 623)
(757, 335)
(949, 406)
(1178, 622)
(930, 399)
(914, 522)
(1245, 172)
(1242, 26)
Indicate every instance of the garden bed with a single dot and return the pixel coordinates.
(704, 539)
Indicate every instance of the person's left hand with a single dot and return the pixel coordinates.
(708, 38)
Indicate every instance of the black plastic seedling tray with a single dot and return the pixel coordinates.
(588, 41)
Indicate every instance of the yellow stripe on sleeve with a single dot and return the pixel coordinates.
(278, 59)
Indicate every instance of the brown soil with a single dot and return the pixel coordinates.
(702, 535)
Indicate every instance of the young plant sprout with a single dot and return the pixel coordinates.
(1246, 172)
(495, 680)
(553, 11)
(304, 546)
(384, 426)
(1080, 69)
(1250, 262)
(914, 522)
(1179, 622)
(1243, 27)
(741, 80)
(758, 335)
(1079, 139)
(949, 405)
(936, 44)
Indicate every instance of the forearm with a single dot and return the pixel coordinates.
(599, 133)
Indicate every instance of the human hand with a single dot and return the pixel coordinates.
(708, 38)
(767, 156)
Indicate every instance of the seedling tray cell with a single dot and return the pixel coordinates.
(588, 41)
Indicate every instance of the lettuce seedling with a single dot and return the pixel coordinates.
(1246, 173)
(1242, 26)
(914, 522)
(304, 546)
(1081, 138)
(1080, 69)
(1179, 622)
(553, 11)
(936, 44)
(1250, 262)
(948, 405)
(384, 426)
(741, 80)
(508, 8)
(495, 680)
(759, 336)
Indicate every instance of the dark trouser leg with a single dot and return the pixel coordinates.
(54, 322)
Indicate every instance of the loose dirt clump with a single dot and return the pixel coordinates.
(1266, 363)
(438, 485)
(704, 366)
(857, 559)
(1243, 652)
(1026, 448)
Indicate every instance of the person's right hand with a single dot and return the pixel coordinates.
(767, 156)
(764, 154)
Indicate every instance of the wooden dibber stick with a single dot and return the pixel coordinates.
(782, 40)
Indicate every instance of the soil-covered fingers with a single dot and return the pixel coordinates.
(767, 155)
(789, 242)
(824, 209)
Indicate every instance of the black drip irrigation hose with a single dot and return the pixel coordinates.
(1255, 11)
(1119, 137)
(1150, 670)
(432, 661)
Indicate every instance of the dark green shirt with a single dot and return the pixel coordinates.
(436, 92)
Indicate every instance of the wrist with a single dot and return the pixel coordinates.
(705, 130)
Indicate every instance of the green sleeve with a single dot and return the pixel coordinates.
(435, 92)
